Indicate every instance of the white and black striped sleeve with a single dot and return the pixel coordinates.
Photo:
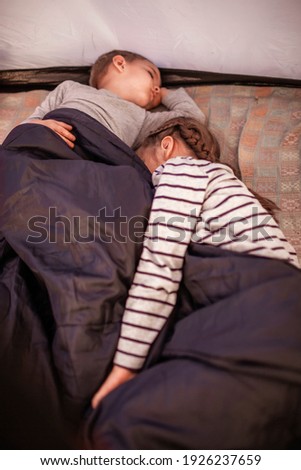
(152, 297)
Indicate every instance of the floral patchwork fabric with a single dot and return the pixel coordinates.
(259, 130)
(270, 154)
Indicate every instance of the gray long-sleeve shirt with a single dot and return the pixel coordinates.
(129, 122)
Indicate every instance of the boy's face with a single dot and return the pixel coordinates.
(142, 83)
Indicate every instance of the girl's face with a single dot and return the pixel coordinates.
(152, 156)
(157, 154)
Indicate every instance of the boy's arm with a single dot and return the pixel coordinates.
(178, 103)
(152, 296)
(61, 128)
(51, 102)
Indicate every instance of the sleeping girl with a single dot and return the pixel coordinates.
(197, 200)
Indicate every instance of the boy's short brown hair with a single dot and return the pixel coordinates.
(100, 67)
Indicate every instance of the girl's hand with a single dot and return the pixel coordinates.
(117, 376)
(60, 128)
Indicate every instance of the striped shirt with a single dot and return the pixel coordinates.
(198, 201)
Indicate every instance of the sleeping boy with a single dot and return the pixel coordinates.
(124, 87)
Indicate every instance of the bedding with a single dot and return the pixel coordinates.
(67, 258)
(225, 372)
(259, 130)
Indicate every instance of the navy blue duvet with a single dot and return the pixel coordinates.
(224, 374)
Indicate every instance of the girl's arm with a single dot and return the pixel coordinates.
(152, 296)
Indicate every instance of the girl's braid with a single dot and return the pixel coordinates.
(195, 134)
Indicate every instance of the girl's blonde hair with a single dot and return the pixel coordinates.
(203, 144)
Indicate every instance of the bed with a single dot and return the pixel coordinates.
(226, 371)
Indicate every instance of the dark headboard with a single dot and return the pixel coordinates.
(50, 77)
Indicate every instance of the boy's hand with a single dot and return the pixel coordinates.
(60, 128)
(117, 376)
(157, 99)
(164, 92)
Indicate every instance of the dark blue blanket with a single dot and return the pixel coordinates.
(72, 223)
(225, 372)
